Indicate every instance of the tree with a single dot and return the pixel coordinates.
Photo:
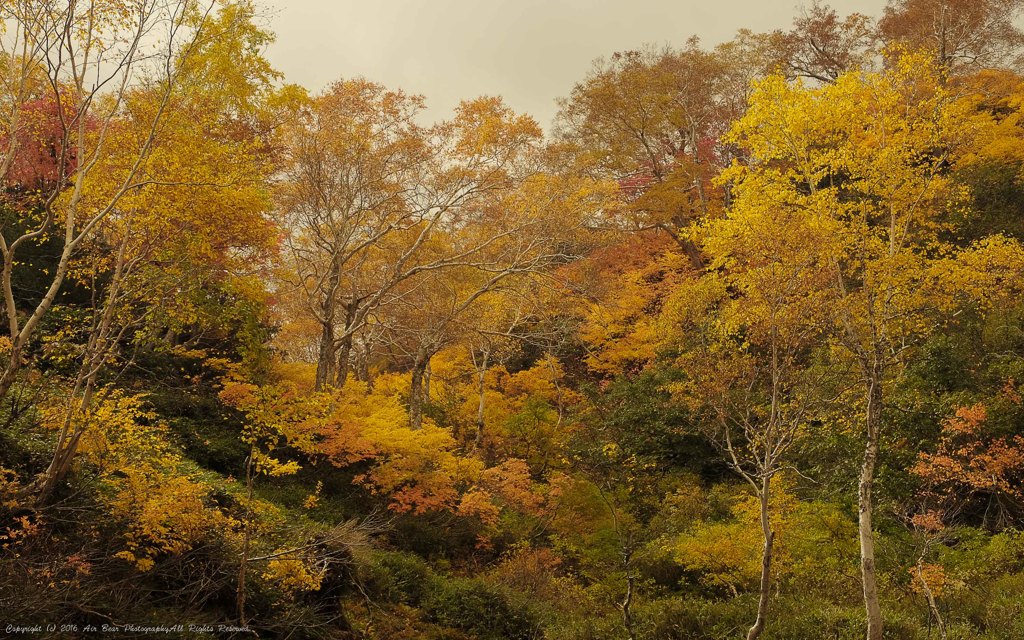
(632, 282)
(514, 322)
(968, 465)
(376, 201)
(147, 262)
(821, 46)
(746, 340)
(650, 121)
(356, 159)
(866, 160)
(963, 35)
(518, 236)
(82, 61)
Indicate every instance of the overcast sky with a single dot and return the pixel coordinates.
(528, 51)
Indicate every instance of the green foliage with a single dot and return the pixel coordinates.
(998, 192)
(399, 577)
(486, 611)
(1003, 617)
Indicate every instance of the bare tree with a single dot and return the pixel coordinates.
(821, 46)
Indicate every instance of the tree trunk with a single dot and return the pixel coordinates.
(930, 596)
(246, 538)
(362, 368)
(19, 337)
(77, 416)
(873, 416)
(344, 364)
(687, 245)
(58, 469)
(417, 390)
(103, 340)
(627, 601)
(426, 381)
(10, 373)
(766, 561)
(328, 310)
(325, 357)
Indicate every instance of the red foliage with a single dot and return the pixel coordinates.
(39, 143)
(634, 185)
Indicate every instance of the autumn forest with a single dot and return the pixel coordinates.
(734, 349)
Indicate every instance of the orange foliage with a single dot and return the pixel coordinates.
(512, 483)
(932, 576)
(478, 503)
(968, 460)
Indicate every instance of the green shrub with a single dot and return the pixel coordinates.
(485, 610)
(1004, 618)
(399, 577)
(669, 619)
(789, 618)
(586, 627)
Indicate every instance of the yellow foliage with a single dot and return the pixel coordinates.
(166, 516)
(9, 488)
(419, 469)
(275, 415)
(163, 510)
(312, 501)
(847, 195)
(292, 575)
(622, 329)
(728, 554)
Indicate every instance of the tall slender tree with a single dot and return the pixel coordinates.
(867, 160)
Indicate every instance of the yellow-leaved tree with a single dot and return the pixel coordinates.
(863, 167)
(193, 221)
(71, 72)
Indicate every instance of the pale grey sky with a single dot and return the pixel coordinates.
(528, 51)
